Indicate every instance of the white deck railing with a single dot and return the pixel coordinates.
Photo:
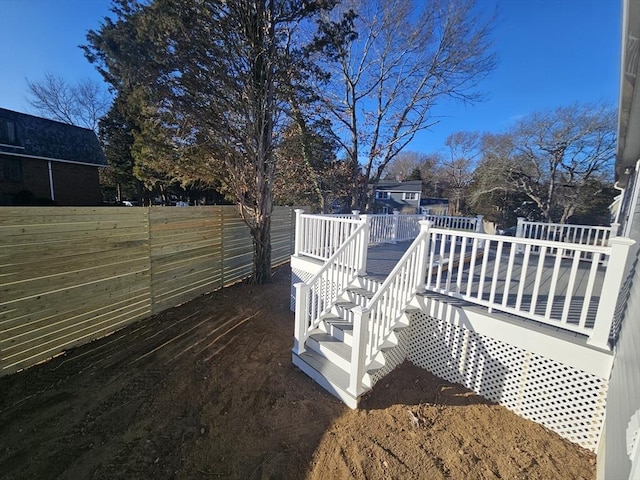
(473, 224)
(563, 232)
(393, 228)
(373, 324)
(316, 297)
(320, 236)
(532, 278)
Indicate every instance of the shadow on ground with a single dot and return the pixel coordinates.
(207, 390)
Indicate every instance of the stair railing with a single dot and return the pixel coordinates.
(316, 297)
(373, 324)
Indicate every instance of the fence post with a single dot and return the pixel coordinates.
(299, 334)
(358, 349)
(520, 234)
(479, 224)
(613, 278)
(299, 233)
(356, 214)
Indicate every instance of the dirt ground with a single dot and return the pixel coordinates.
(207, 390)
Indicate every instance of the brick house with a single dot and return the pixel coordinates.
(44, 162)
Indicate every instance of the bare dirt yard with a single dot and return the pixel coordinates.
(207, 391)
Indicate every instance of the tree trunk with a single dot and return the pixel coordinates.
(262, 250)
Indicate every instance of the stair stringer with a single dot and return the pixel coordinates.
(392, 354)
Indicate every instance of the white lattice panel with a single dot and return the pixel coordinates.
(564, 399)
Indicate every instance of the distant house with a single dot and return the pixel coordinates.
(393, 195)
(44, 162)
(434, 206)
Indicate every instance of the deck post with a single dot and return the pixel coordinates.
(479, 224)
(394, 227)
(358, 349)
(520, 234)
(425, 225)
(299, 335)
(364, 245)
(613, 279)
(298, 239)
(614, 230)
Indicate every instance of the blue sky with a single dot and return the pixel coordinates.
(551, 53)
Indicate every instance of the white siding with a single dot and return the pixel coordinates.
(624, 387)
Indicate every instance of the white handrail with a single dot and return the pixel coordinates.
(315, 297)
(549, 282)
(565, 232)
(374, 323)
(319, 236)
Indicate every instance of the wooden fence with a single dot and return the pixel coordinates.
(71, 275)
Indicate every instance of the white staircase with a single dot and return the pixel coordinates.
(347, 323)
(328, 349)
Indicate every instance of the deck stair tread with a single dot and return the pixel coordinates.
(326, 341)
(332, 373)
(364, 292)
(346, 304)
(387, 345)
(340, 324)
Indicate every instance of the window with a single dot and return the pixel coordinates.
(10, 170)
(8, 134)
(380, 195)
(410, 196)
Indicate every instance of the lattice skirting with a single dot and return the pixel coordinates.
(564, 399)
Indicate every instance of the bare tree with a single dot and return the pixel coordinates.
(457, 170)
(384, 84)
(556, 158)
(403, 165)
(83, 104)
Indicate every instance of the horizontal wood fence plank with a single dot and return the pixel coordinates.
(71, 316)
(22, 271)
(43, 215)
(69, 275)
(70, 281)
(43, 351)
(26, 314)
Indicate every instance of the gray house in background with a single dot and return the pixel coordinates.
(44, 162)
(392, 195)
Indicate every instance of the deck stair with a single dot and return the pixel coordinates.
(327, 355)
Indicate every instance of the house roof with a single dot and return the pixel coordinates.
(396, 186)
(37, 137)
(629, 100)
